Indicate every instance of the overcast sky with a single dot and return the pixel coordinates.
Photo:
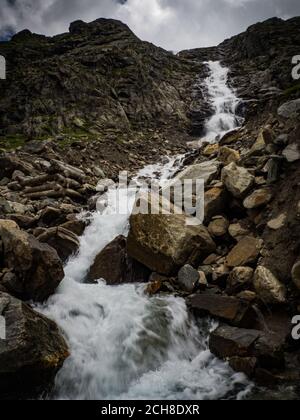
(172, 24)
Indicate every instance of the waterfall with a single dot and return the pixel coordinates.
(224, 103)
(125, 344)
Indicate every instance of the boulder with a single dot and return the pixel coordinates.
(258, 198)
(292, 153)
(114, 266)
(228, 155)
(278, 222)
(207, 171)
(289, 109)
(225, 308)
(237, 231)
(229, 341)
(32, 352)
(237, 179)
(75, 226)
(62, 240)
(211, 150)
(296, 274)
(164, 243)
(268, 287)
(218, 227)
(245, 252)
(215, 201)
(188, 278)
(264, 349)
(37, 267)
(259, 146)
(10, 163)
(240, 277)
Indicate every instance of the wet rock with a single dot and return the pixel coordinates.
(245, 252)
(227, 155)
(165, 243)
(238, 180)
(188, 278)
(229, 341)
(23, 221)
(268, 287)
(258, 199)
(114, 266)
(32, 353)
(289, 109)
(62, 240)
(218, 227)
(229, 309)
(292, 153)
(37, 266)
(246, 365)
(51, 216)
(76, 226)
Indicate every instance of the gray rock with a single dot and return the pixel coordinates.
(292, 153)
(32, 352)
(188, 278)
(289, 109)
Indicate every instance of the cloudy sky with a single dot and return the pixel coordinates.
(172, 24)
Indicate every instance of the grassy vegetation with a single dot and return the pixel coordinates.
(12, 142)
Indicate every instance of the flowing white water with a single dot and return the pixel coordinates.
(224, 102)
(126, 345)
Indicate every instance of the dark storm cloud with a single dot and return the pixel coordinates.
(173, 24)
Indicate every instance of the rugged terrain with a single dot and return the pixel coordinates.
(81, 106)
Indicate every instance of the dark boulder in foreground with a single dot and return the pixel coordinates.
(114, 266)
(33, 269)
(32, 352)
(229, 309)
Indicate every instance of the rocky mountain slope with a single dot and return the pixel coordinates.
(81, 106)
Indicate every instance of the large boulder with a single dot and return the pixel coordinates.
(114, 266)
(64, 241)
(228, 341)
(230, 309)
(206, 170)
(245, 252)
(31, 353)
(36, 266)
(238, 180)
(268, 287)
(164, 243)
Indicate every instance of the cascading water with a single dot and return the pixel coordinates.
(125, 344)
(224, 103)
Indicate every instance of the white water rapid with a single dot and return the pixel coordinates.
(125, 344)
(224, 103)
